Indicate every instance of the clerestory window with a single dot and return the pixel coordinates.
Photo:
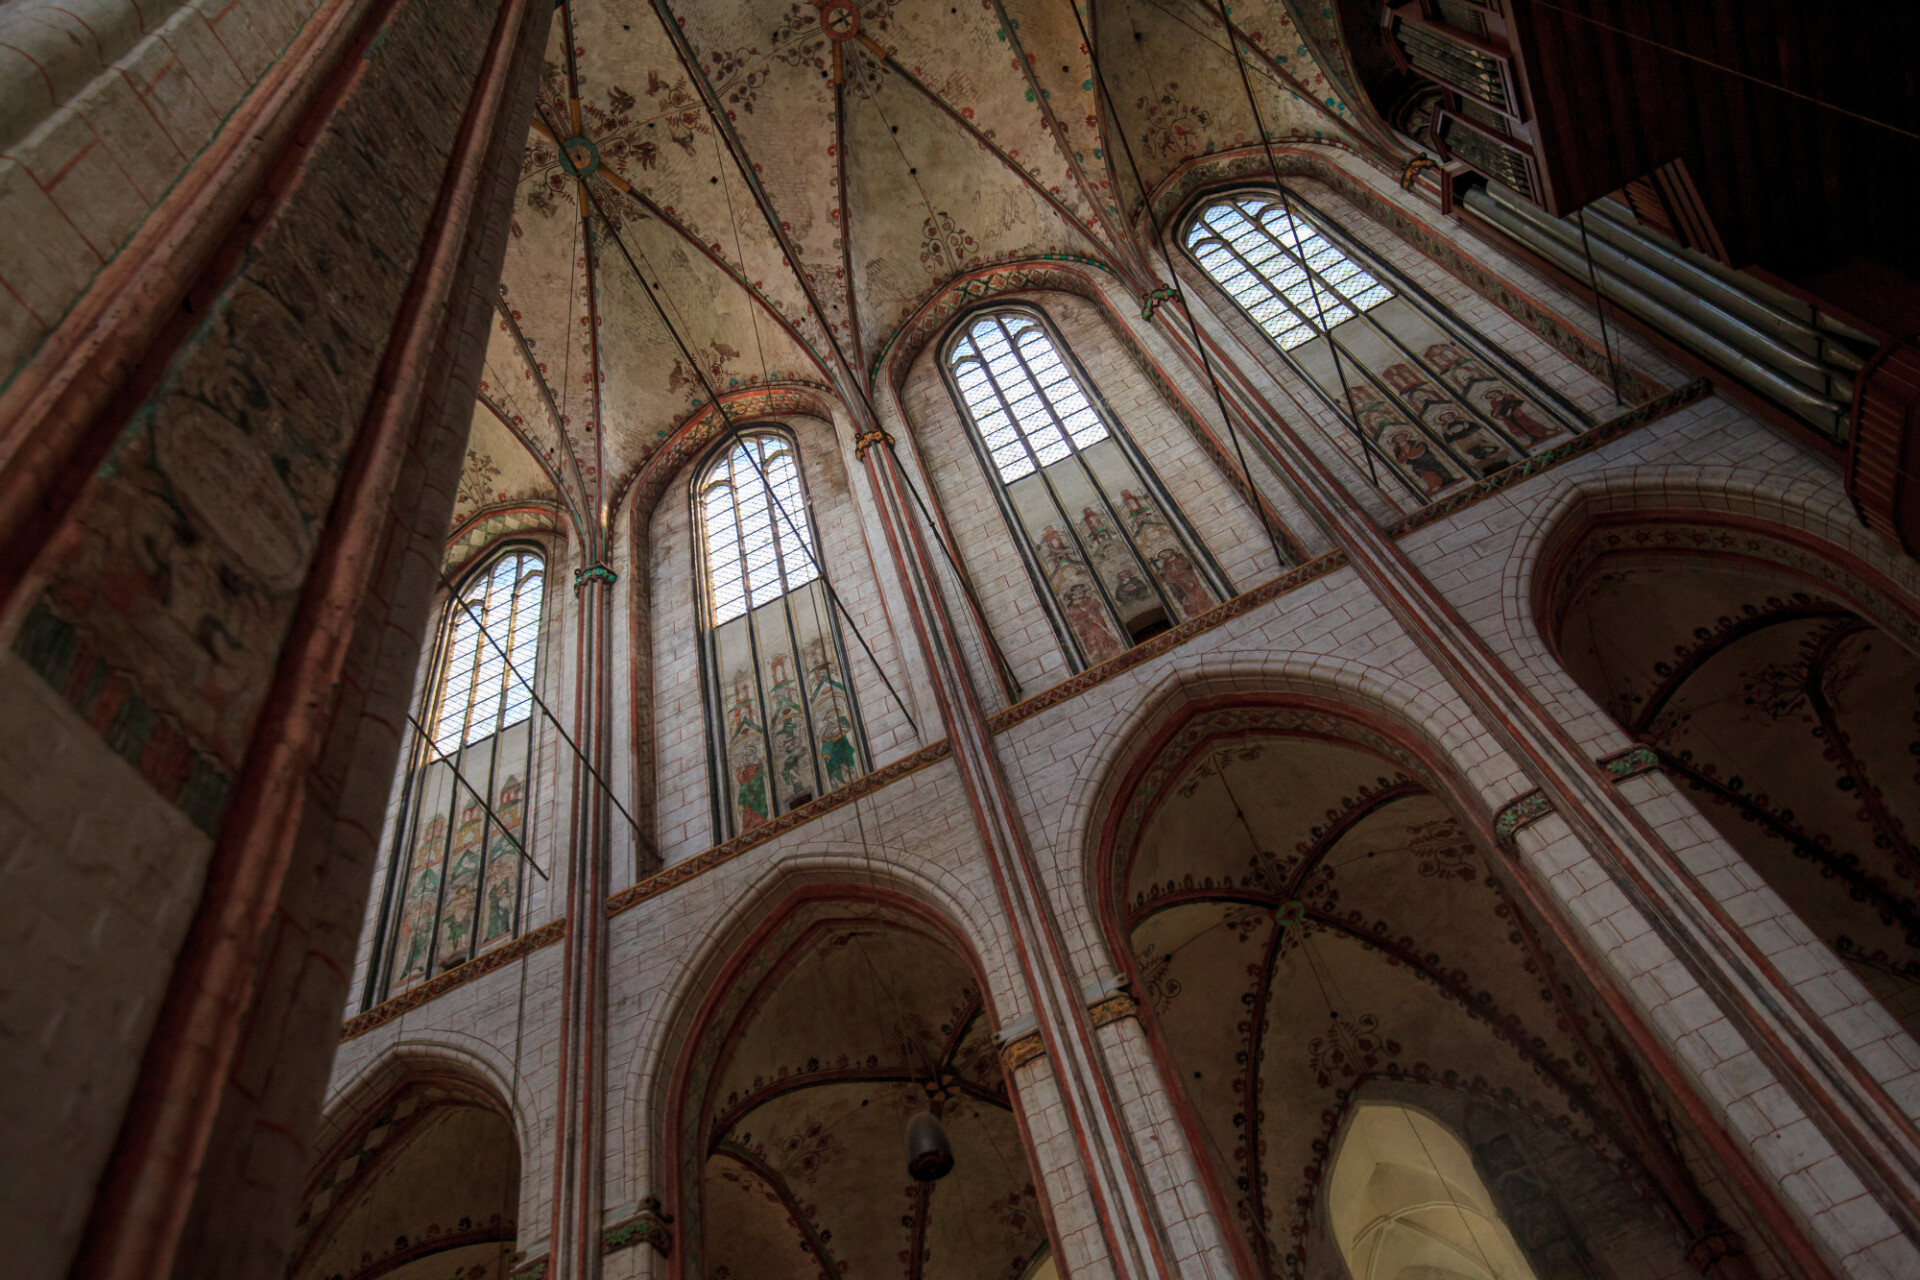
(1110, 554)
(783, 725)
(459, 873)
(1420, 395)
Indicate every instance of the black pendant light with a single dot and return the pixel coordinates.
(929, 1154)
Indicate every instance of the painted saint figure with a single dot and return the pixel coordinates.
(827, 695)
(746, 765)
(1475, 381)
(789, 733)
(1175, 570)
(463, 888)
(1088, 617)
(421, 902)
(1417, 457)
(503, 863)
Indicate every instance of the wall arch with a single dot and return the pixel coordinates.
(1415, 716)
(1805, 511)
(1768, 670)
(1459, 1003)
(799, 914)
(670, 723)
(422, 1162)
(805, 870)
(1152, 399)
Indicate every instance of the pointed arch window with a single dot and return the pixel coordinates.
(1423, 397)
(1110, 555)
(459, 876)
(783, 727)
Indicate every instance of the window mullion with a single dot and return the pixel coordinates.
(1273, 289)
(1000, 394)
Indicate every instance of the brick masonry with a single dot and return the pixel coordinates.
(1321, 634)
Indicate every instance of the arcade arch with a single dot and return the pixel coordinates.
(426, 1184)
(847, 1013)
(1314, 930)
(1779, 700)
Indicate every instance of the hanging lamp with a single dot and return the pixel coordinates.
(929, 1154)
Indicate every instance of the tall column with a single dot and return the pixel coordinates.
(579, 1139)
(1136, 1238)
(281, 367)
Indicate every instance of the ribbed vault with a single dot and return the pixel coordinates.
(794, 180)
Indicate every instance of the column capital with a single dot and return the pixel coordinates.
(598, 571)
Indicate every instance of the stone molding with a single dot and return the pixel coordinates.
(1523, 811)
(1020, 1050)
(458, 976)
(701, 863)
(648, 1226)
(1631, 763)
(1586, 442)
(1242, 604)
(1114, 1008)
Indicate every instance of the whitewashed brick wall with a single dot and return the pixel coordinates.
(102, 106)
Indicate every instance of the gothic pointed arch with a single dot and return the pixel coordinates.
(1779, 687)
(425, 1179)
(1422, 401)
(1314, 927)
(846, 1010)
(1111, 556)
(458, 864)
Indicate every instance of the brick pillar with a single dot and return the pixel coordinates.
(278, 376)
(573, 1244)
(1128, 1217)
(1192, 1204)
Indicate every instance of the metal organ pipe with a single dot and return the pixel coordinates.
(1762, 362)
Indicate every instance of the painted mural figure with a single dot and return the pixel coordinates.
(1508, 409)
(463, 886)
(422, 900)
(743, 756)
(1475, 381)
(1055, 552)
(1379, 421)
(503, 862)
(1176, 571)
(789, 733)
(1087, 615)
(1417, 457)
(1072, 584)
(1099, 532)
(1141, 514)
(827, 695)
(1466, 435)
(1460, 429)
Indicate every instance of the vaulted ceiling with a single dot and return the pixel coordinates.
(777, 185)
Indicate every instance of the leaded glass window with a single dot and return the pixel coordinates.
(1109, 553)
(459, 871)
(783, 726)
(1421, 395)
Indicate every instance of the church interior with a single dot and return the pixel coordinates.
(960, 640)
